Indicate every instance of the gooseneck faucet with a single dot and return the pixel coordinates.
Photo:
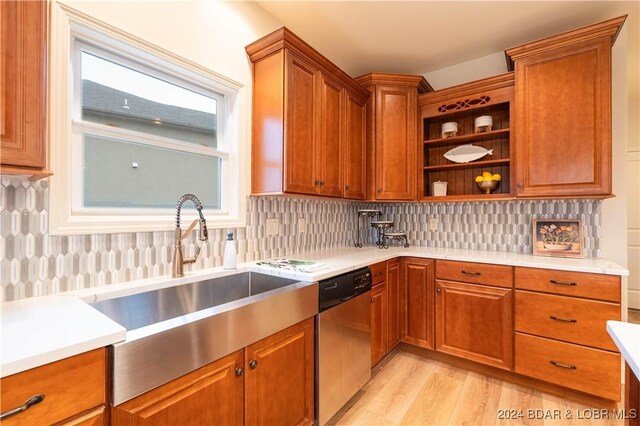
(178, 259)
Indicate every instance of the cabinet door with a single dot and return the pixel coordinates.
(96, 417)
(393, 304)
(210, 395)
(280, 379)
(417, 302)
(300, 154)
(563, 120)
(22, 82)
(378, 323)
(330, 146)
(355, 148)
(474, 322)
(396, 143)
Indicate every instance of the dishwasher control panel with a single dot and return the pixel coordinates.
(337, 290)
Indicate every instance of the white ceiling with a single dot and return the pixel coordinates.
(417, 37)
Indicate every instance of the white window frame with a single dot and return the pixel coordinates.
(72, 32)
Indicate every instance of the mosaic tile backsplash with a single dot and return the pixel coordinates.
(34, 263)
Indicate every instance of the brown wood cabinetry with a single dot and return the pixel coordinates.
(74, 391)
(463, 104)
(378, 323)
(279, 378)
(563, 112)
(417, 310)
(391, 134)
(308, 121)
(213, 394)
(560, 323)
(23, 51)
(474, 313)
(394, 326)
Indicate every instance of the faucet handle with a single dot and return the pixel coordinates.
(204, 234)
(189, 229)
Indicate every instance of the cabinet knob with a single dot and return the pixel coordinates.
(316, 182)
(347, 187)
(253, 364)
(438, 289)
(520, 185)
(379, 189)
(239, 371)
(321, 183)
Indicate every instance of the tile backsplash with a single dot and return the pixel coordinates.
(34, 263)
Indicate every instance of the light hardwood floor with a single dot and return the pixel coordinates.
(407, 389)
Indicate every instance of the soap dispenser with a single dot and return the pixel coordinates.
(230, 259)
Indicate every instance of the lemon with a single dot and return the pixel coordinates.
(487, 175)
(496, 177)
(487, 178)
(478, 179)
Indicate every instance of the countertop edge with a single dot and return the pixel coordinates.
(626, 336)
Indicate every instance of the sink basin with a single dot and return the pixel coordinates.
(175, 330)
(144, 309)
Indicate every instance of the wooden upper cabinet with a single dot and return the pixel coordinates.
(355, 147)
(280, 378)
(417, 310)
(300, 152)
(563, 112)
(305, 121)
(213, 394)
(392, 134)
(23, 49)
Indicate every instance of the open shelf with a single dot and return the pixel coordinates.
(471, 165)
(462, 139)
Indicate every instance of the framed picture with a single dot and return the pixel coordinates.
(558, 237)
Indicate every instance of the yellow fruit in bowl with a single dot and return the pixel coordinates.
(478, 179)
(487, 178)
(496, 177)
(486, 175)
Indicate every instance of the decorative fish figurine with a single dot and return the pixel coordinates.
(467, 153)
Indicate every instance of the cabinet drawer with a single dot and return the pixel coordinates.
(584, 369)
(378, 272)
(566, 318)
(69, 386)
(476, 273)
(580, 284)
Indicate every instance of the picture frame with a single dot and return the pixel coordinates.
(558, 238)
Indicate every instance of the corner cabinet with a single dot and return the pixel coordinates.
(23, 52)
(563, 112)
(391, 134)
(463, 104)
(308, 121)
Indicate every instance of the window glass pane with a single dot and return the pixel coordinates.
(118, 96)
(123, 174)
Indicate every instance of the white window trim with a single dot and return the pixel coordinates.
(67, 219)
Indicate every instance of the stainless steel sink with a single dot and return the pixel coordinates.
(175, 330)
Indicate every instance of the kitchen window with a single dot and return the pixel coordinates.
(143, 127)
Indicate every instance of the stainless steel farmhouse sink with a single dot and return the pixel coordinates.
(175, 330)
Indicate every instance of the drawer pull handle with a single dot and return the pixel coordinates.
(567, 366)
(36, 399)
(563, 283)
(553, 317)
(470, 273)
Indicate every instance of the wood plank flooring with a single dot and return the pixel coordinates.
(407, 389)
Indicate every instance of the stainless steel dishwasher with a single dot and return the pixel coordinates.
(343, 340)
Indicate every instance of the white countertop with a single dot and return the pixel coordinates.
(626, 336)
(37, 331)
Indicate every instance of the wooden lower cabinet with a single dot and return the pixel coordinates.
(394, 326)
(474, 322)
(589, 370)
(96, 417)
(417, 310)
(378, 323)
(212, 395)
(71, 387)
(267, 383)
(280, 378)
